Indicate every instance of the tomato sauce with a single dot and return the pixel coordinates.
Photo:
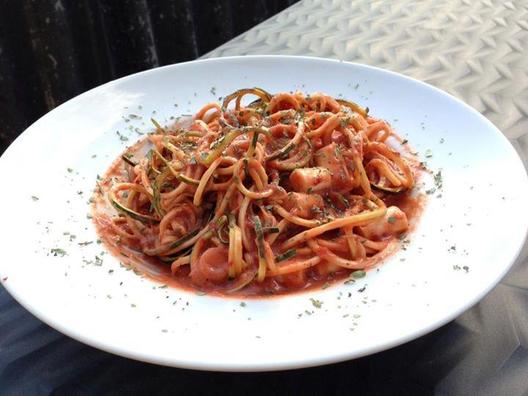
(320, 276)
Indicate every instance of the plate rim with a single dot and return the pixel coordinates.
(288, 363)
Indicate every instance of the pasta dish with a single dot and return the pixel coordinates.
(261, 194)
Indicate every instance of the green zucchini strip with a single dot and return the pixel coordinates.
(260, 248)
(286, 255)
(131, 213)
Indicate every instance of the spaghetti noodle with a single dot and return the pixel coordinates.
(285, 192)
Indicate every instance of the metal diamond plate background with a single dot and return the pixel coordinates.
(475, 50)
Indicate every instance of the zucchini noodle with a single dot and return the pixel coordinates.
(262, 193)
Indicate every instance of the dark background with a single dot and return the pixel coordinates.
(53, 50)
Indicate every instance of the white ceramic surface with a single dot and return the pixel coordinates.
(469, 235)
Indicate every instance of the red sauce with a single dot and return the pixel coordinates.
(312, 278)
(316, 277)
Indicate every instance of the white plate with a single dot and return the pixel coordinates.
(466, 241)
